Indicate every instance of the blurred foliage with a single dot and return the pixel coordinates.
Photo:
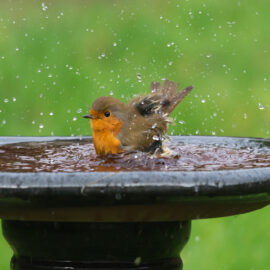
(56, 57)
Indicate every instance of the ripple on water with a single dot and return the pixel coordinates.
(80, 156)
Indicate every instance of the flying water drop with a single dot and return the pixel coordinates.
(261, 107)
(43, 6)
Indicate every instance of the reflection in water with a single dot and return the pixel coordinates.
(80, 156)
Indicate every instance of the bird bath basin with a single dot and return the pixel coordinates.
(129, 212)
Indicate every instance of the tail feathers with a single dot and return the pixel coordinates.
(155, 87)
(178, 98)
(168, 96)
(169, 89)
(162, 99)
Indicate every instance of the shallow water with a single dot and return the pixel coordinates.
(80, 156)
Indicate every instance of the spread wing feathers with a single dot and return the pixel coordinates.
(162, 99)
(148, 118)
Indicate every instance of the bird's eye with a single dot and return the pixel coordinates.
(107, 114)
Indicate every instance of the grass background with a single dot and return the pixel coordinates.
(56, 57)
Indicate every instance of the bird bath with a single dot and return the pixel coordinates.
(58, 212)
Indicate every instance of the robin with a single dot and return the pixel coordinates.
(141, 124)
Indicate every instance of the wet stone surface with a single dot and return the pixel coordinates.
(80, 156)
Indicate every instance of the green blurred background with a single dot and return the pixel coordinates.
(56, 57)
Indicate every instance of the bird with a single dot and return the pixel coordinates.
(139, 125)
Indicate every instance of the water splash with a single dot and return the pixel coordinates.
(261, 107)
(79, 156)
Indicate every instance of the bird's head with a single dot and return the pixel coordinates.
(107, 114)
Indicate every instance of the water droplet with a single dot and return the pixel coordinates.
(74, 118)
(111, 93)
(213, 133)
(3, 57)
(245, 116)
(43, 6)
(4, 122)
(203, 101)
(33, 122)
(197, 132)
(154, 125)
(114, 44)
(51, 113)
(208, 56)
(50, 76)
(261, 107)
(41, 126)
(156, 138)
(6, 100)
(170, 44)
(17, 49)
(170, 63)
(181, 122)
(39, 70)
(197, 238)
(41, 113)
(138, 261)
(139, 77)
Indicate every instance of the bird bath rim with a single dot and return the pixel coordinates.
(133, 196)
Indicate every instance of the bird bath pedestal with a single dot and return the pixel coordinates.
(119, 220)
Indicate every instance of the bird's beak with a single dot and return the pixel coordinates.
(88, 116)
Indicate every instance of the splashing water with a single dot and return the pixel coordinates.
(80, 156)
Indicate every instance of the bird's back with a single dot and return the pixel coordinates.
(148, 117)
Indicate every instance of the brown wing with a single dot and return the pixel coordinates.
(148, 117)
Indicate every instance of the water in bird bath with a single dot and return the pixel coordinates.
(79, 156)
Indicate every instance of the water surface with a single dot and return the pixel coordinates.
(80, 156)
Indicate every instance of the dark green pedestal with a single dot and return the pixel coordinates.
(78, 246)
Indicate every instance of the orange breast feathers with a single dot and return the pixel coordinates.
(105, 131)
